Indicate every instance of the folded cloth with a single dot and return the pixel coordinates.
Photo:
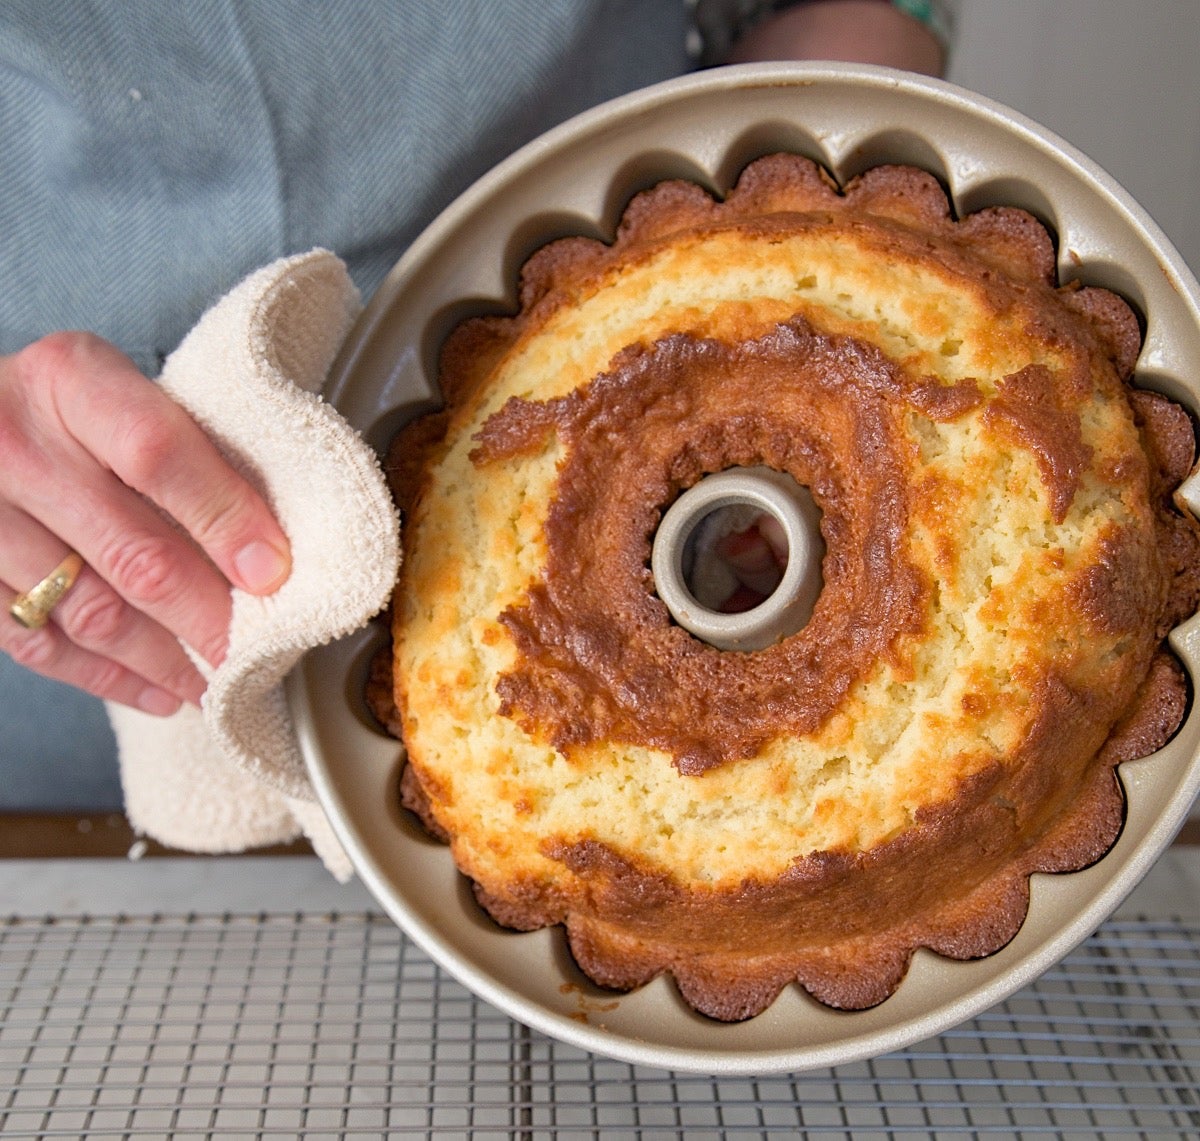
(231, 776)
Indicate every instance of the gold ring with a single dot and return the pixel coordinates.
(32, 609)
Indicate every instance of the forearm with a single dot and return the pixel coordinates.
(856, 31)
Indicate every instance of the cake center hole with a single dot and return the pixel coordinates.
(735, 558)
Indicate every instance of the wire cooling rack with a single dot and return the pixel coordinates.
(336, 1026)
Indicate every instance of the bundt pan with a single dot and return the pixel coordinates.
(576, 180)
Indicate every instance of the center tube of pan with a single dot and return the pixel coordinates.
(762, 517)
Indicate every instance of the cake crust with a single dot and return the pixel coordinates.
(1003, 560)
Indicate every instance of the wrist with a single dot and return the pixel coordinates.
(911, 34)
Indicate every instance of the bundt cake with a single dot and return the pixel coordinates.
(1002, 562)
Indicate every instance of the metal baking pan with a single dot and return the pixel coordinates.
(576, 180)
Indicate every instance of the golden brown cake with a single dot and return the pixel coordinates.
(1002, 564)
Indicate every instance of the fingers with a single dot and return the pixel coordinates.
(51, 653)
(91, 625)
(108, 461)
(95, 458)
(152, 446)
(147, 562)
(159, 451)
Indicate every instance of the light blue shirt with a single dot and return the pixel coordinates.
(153, 154)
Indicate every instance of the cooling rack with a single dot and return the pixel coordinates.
(328, 1024)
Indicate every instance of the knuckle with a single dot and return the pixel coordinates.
(105, 679)
(147, 446)
(54, 354)
(142, 570)
(14, 446)
(32, 383)
(212, 647)
(220, 517)
(96, 620)
(177, 679)
(36, 650)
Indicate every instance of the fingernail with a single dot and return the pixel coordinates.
(158, 702)
(261, 567)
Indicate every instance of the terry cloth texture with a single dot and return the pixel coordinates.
(232, 777)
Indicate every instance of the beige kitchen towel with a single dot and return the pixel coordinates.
(231, 777)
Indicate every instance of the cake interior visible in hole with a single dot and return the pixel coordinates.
(735, 558)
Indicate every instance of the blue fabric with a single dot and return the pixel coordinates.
(153, 154)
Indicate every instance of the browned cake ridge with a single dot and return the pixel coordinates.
(1003, 561)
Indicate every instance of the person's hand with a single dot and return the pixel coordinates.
(854, 31)
(95, 459)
